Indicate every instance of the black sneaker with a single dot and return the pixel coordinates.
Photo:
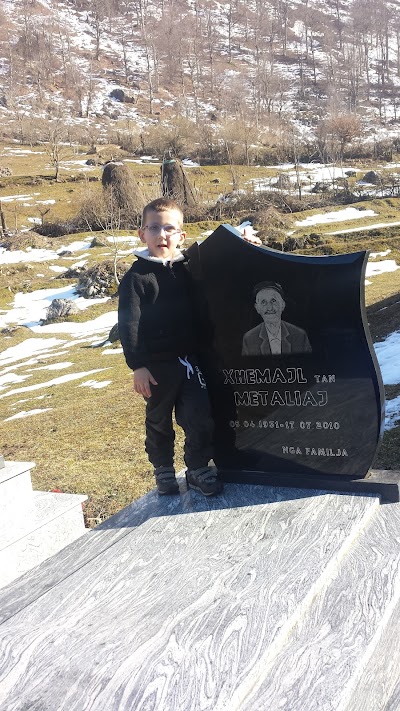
(166, 481)
(204, 480)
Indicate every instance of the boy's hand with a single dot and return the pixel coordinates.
(142, 378)
(250, 237)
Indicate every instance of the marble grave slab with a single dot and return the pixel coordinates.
(178, 612)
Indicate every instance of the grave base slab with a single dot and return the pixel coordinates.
(382, 482)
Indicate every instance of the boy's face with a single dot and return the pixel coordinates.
(162, 233)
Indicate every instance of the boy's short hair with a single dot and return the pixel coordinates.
(161, 205)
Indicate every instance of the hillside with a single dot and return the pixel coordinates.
(236, 81)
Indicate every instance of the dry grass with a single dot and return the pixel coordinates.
(386, 209)
(91, 441)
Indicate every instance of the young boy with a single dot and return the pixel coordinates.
(161, 332)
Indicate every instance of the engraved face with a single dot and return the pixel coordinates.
(269, 304)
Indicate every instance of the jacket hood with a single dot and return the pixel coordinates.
(144, 253)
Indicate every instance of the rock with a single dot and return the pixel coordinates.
(292, 243)
(350, 173)
(96, 242)
(320, 187)
(10, 330)
(99, 280)
(216, 181)
(61, 308)
(120, 95)
(371, 177)
(113, 337)
(5, 172)
(72, 273)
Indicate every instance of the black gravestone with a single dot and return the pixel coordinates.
(294, 382)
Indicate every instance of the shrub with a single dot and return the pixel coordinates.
(57, 229)
(23, 241)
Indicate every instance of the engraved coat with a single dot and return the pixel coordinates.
(294, 340)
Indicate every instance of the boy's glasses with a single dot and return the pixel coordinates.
(168, 229)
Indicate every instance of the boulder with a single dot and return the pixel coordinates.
(72, 273)
(9, 330)
(292, 243)
(120, 95)
(99, 280)
(113, 337)
(60, 309)
(97, 242)
(371, 177)
(320, 187)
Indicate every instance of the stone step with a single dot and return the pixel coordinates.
(50, 523)
(15, 492)
(179, 612)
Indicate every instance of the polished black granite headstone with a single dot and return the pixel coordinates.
(309, 402)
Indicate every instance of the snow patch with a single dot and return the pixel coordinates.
(27, 413)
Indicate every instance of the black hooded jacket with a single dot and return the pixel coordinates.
(159, 315)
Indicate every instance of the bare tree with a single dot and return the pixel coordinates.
(55, 140)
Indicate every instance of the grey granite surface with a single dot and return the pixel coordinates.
(74, 556)
(319, 663)
(180, 610)
(376, 686)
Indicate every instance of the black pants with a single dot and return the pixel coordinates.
(185, 391)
